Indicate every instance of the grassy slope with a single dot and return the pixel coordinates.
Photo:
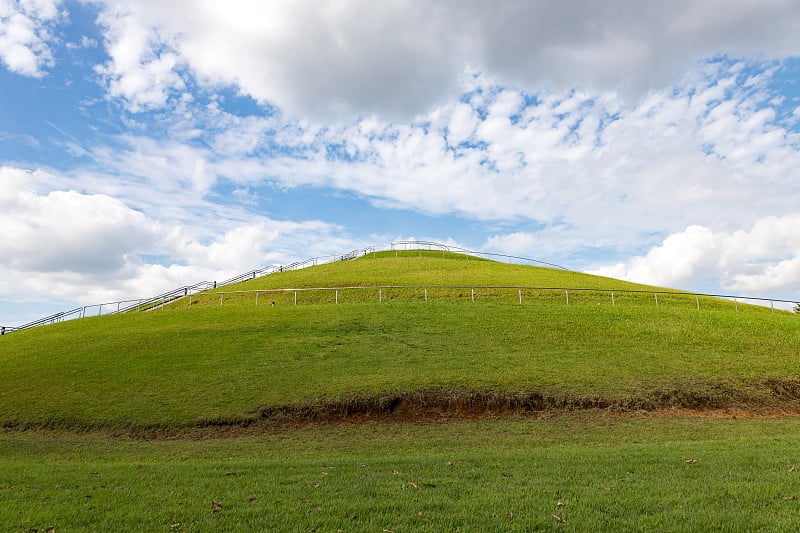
(229, 363)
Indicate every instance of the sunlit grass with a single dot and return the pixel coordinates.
(585, 473)
(195, 372)
(187, 365)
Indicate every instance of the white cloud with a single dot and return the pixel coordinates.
(92, 248)
(142, 65)
(357, 57)
(762, 260)
(614, 175)
(64, 231)
(25, 33)
(585, 169)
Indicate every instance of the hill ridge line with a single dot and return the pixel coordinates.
(271, 269)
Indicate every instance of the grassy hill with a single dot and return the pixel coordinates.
(402, 357)
(214, 414)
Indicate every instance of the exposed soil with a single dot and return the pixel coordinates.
(767, 398)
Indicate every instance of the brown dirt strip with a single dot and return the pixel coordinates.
(766, 399)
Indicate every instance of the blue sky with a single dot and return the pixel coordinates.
(147, 145)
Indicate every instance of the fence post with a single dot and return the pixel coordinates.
(656, 295)
(295, 297)
(256, 298)
(221, 298)
(772, 305)
(519, 291)
(697, 301)
(735, 301)
(99, 309)
(190, 300)
(566, 292)
(612, 298)
(337, 296)
(426, 295)
(473, 295)
(380, 295)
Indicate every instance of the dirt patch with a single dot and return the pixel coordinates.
(768, 398)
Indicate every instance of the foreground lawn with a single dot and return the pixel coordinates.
(589, 472)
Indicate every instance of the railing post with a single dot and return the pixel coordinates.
(190, 300)
(139, 306)
(99, 309)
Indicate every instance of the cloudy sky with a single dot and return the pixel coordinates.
(146, 145)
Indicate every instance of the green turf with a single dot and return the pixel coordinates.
(212, 363)
(198, 374)
(567, 473)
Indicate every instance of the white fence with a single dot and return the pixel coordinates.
(518, 293)
(189, 292)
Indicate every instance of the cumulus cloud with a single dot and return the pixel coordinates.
(586, 170)
(765, 258)
(142, 65)
(92, 248)
(612, 174)
(65, 230)
(516, 116)
(396, 59)
(25, 35)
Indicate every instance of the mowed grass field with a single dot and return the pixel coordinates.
(405, 411)
(577, 472)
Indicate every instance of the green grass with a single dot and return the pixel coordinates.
(436, 269)
(232, 363)
(594, 472)
(196, 417)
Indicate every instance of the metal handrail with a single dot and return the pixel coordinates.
(175, 294)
